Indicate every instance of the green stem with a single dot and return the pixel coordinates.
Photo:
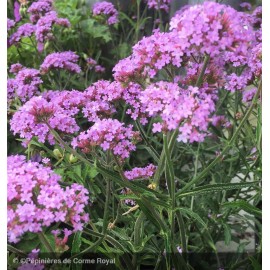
(200, 78)
(68, 148)
(96, 244)
(160, 167)
(195, 174)
(138, 227)
(138, 21)
(181, 225)
(144, 136)
(106, 208)
(15, 250)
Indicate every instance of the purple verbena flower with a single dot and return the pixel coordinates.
(10, 24)
(107, 10)
(35, 199)
(159, 4)
(39, 9)
(16, 11)
(25, 30)
(109, 134)
(45, 24)
(61, 60)
(135, 173)
(37, 116)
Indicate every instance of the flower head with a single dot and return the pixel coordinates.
(35, 199)
(107, 10)
(108, 134)
(158, 4)
(63, 60)
(25, 30)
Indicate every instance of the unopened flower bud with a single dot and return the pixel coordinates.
(152, 186)
(72, 158)
(57, 154)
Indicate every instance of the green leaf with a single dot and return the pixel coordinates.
(216, 188)
(122, 14)
(243, 205)
(93, 172)
(96, 30)
(206, 235)
(151, 214)
(227, 233)
(255, 264)
(76, 244)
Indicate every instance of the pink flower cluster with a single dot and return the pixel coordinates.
(60, 243)
(10, 24)
(159, 4)
(100, 98)
(39, 9)
(150, 55)
(109, 134)
(43, 18)
(248, 95)
(26, 83)
(95, 103)
(255, 60)
(60, 60)
(35, 199)
(246, 5)
(131, 95)
(69, 101)
(58, 109)
(45, 24)
(25, 30)
(106, 9)
(136, 173)
(219, 31)
(186, 109)
(211, 28)
(36, 116)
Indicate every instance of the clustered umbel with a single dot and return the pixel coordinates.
(39, 9)
(61, 60)
(26, 83)
(10, 24)
(25, 30)
(186, 109)
(150, 55)
(107, 10)
(44, 26)
(36, 200)
(144, 173)
(212, 29)
(108, 134)
(100, 100)
(158, 4)
(37, 116)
